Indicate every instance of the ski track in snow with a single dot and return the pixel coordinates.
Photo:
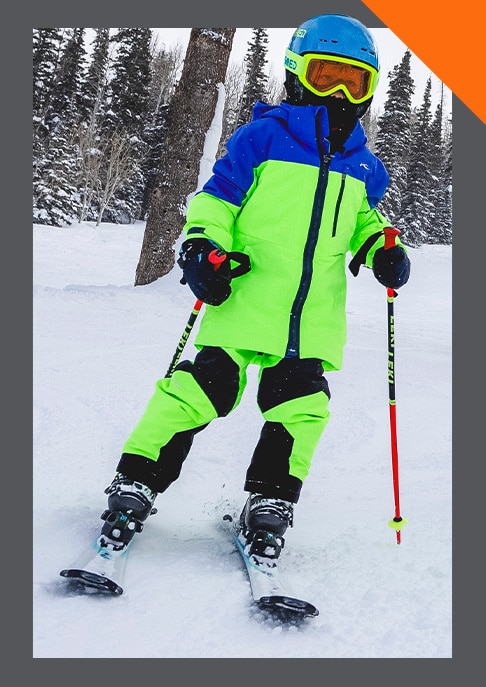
(99, 346)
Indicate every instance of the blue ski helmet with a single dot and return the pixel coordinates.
(342, 40)
(336, 34)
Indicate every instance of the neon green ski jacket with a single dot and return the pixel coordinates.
(296, 211)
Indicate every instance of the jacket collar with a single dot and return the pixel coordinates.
(301, 119)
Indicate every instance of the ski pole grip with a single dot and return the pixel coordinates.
(390, 237)
(216, 257)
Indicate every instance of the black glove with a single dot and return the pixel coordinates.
(206, 269)
(391, 267)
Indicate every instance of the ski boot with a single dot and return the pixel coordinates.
(263, 522)
(129, 505)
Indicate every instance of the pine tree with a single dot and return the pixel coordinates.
(94, 90)
(393, 139)
(56, 199)
(130, 83)
(446, 223)
(234, 86)
(154, 136)
(165, 67)
(441, 183)
(129, 111)
(66, 93)
(440, 160)
(256, 78)
(436, 167)
(275, 89)
(94, 106)
(417, 199)
(370, 125)
(46, 56)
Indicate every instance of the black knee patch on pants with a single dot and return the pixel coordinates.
(159, 474)
(289, 379)
(218, 376)
(268, 473)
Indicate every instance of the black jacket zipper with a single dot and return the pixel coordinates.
(293, 344)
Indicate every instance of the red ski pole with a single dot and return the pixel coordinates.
(185, 335)
(216, 257)
(398, 521)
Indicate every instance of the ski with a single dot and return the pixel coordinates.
(268, 590)
(99, 568)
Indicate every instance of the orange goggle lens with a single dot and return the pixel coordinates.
(324, 75)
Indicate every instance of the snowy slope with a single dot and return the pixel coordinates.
(100, 344)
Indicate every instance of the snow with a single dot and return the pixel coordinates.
(99, 346)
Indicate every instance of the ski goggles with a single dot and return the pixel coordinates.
(326, 74)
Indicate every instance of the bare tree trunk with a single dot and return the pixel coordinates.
(192, 110)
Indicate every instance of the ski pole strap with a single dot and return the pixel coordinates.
(218, 256)
(360, 257)
(243, 261)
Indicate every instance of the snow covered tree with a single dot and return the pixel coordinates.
(66, 92)
(154, 135)
(393, 139)
(245, 84)
(90, 164)
(119, 165)
(436, 165)
(191, 113)
(440, 221)
(417, 198)
(131, 80)
(370, 125)
(56, 198)
(165, 69)
(275, 90)
(94, 99)
(46, 55)
(58, 67)
(127, 117)
(94, 89)
(444, 220)
(234, 86)
(256, 78)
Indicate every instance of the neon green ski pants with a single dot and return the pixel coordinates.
(293, 397)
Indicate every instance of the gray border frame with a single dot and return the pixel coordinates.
(468, 243)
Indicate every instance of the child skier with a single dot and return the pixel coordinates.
(296, 191)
